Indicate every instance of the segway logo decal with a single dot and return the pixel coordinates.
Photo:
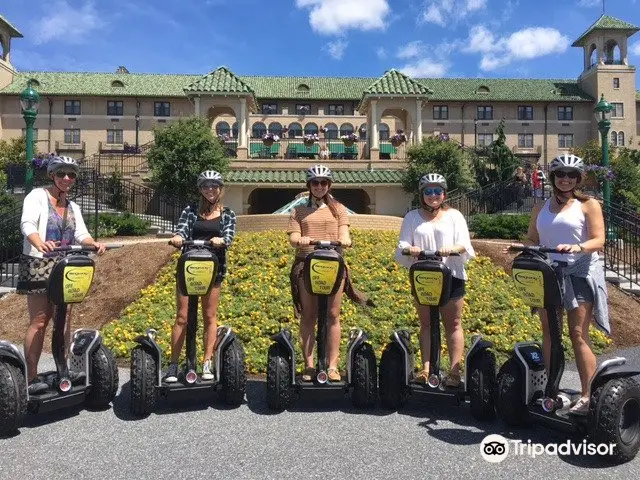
(530, 283)
(428, 286)
(324, 274)
(76, 283)
(198, 276)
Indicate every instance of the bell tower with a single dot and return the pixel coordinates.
(607, 72)
(7, 32)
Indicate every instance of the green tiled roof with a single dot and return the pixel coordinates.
(14, 32)
(605, 22)
(299, 176)
(394, 82)
(319, 88)
(221, 80)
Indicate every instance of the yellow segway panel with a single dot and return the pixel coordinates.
(196, 272)
(71, 279)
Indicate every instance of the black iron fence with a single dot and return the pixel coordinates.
(622, 248)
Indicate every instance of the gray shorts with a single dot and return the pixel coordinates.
(581, 290)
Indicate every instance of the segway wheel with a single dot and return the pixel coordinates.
(364, 380)
(144, 375)
(482, 385)
(510, 406)
(279, 388)
(393, 390)
(233, 375)
(103, 378)
(13, 398)
(614, 418)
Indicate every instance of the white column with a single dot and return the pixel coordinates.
(197, 104)
(374, 124)
(418, 137)
(242, 123)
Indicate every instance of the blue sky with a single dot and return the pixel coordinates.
(426, 38)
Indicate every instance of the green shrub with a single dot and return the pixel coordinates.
(256, 301)
(499, 226)
(123, 224)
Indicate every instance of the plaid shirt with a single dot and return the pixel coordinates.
(190, 215)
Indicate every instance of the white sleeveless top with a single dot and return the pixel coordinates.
(566, 227)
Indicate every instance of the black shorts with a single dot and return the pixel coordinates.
(458, 289)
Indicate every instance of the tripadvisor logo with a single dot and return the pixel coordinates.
(427, 279)
(323, 267)
(204, 267)
(526, 278)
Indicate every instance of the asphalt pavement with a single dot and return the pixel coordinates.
(322, 437)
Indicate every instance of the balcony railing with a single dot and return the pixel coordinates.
(533, 150)
(70, 147)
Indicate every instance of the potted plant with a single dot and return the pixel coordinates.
(349, 139)
(269, 138)
(323, 129)
(595, 175)
(40, 163)
(398, 139)
(310, 138)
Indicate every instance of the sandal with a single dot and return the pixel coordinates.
(452, 381)
(334, 375)
(581, 407)
(308, 374)
(421, 377)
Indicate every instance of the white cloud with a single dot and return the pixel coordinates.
(442, 12)
(336, 49)
(410, 50)
(333, 17)
(67, 24)
(524, 44)
(635, 49)
(589, 3)
(381, 53)
(424, 67)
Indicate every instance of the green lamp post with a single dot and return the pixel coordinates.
(602, 111)
(29, 101)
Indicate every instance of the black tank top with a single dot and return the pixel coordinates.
(207, 229)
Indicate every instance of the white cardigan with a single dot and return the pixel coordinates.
(35, 215)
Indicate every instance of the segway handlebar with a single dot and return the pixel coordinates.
(80, 248)
(534, 248)
(326, 243)
(198, 243)
(429, 253)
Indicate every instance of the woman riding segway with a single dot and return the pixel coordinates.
(210, 220)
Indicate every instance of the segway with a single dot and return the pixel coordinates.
(430, 282)
(323, 273)
(525, 393)
(195, 275)
(69, 283)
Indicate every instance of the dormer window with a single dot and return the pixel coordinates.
(303, 88)
(33, 82)
(483, 89)
(117, 84)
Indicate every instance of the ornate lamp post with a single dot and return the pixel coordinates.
(602, 112)
(137, 130)
(29, 102)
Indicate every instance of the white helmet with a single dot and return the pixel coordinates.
(59, 162)
(210, 176)
(567, 161)
(432, 179)
(319, 171)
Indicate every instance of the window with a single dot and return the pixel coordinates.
(114, 108)
(72, 135)
(234, 130)
(303, 108)
(336, 110)
(565, 140)
(525, 112)
(485, 113)
(117, 84)
(440, 112)
(619, 110)
(617, 139)
(114, 136)
(269, 108)
(485, 139)
(275, 127)
(331, 131)
(161, 109)
(310, 129)
(383, 131)
(616, 82)
(295, 130)
(525, 140)
(222, 128)
(362, 131)
(72, 107)
(565, 113)
(621, 139)
(258, 130)
(346, 129)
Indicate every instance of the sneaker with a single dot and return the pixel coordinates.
(206, 370)
(172, 373)
(334, 375)
(581, 407)
(37, 385)
(76, 376)
(452, 381)
(308, 374)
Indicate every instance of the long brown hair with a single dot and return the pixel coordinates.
(203, 204)
(577, 194)
(328, 199)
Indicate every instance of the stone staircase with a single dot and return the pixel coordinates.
(619, 274)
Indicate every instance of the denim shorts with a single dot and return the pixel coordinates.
(581, 290)
(458, 289)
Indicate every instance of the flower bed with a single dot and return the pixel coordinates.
(256, 301)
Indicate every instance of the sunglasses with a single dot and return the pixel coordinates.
(571, 174)
(71, 175)
(433, 191)
(210, 186)
(315, 183)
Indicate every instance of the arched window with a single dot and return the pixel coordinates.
(295, 130)
(234, 130)
(222, 128)
(117, 83)
(332, 131)
(346, 129)
(614, 138)
(303, 87)
(258, 130)
(362, 131)
(621, 139)
(33, 82)
(310, 129)
(483, 89)
(612, 53)
(275, 127)
(383, 130)
(593, 54)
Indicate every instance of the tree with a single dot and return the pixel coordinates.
(502, 161)
(436, 155)
(180, 152)
(13, 152)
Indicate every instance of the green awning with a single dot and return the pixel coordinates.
(388, 148)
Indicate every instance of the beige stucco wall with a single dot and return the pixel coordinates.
(391, 201)
(234, 198)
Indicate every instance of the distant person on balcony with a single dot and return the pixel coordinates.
(322, 218)
(572, 222)
(520, 185)
(436, 226)
(537, 182)
(49, 219)
(212, 221)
